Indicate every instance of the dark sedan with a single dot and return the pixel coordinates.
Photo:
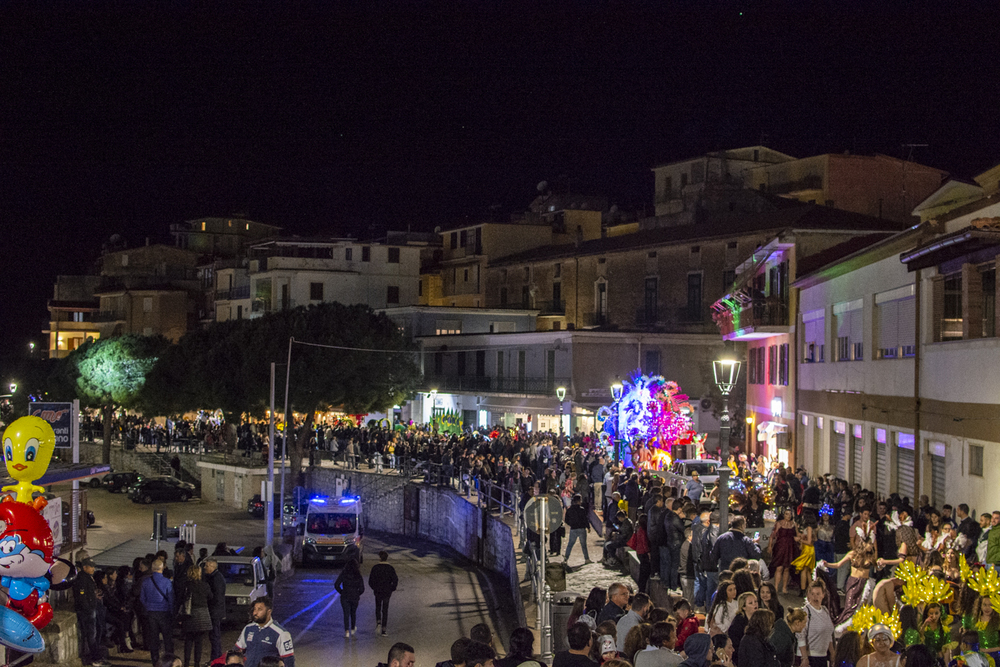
(120, 482)
(161, 489)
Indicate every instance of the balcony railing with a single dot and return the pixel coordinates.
(495, 385)
(241, 292)
(108, 316)
(759, 313)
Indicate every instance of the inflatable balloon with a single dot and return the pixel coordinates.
(28, 445)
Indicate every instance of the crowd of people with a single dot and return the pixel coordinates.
(142, 606)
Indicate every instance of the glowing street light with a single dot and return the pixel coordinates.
(616, 395)
(726, 371)
(561, 395)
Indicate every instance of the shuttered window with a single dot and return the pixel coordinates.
(857, 453)
(881, 463)
(850, 330)
(904, 465)
(938, 479)
(813, 324)
(840, 434)
(895, 311)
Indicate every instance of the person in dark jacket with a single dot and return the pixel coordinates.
(196, 620)
(617, 601)
(656, 533)
(350, 584)
(217, 603)
(670, 557)
(755, 649)
(383, 581)
(85, 604)
(579, 525)
(734, 544)
(783, 637)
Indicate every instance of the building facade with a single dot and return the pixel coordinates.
(72, 311)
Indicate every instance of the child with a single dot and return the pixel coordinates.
(687, 623)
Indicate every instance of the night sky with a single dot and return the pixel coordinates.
(353, 118)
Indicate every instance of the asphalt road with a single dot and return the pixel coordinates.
(438, 600)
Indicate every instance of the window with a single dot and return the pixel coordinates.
(989, 279)
(652, 365)
(438, 363)
(668, 185)
(772, 364)
(951, 325)
(461, 364)
(239, 312)
(500, 363)
(557, 270)
(728, 278)
(557, 296)
(78, 316)
(527, 273)
(976, 460)
(394, 255)
(147, 304)
(752, 366)
(465, 275)
(503, 297)
(315, 291)
(392, 294)
(463, 238)
(783, 364)
(525, 297)
(651, 254)
(550, 365)
(814, 336)
(761, 368)
(684, 180)
(420, 288)
(895, 313)
(695, 249)
(366, 253)
(850, 335)
(602, 302)
(480, 363)
(694, 297)
(349, 254)
(454, 240)
(649, 301)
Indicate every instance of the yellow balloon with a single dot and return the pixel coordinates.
(28, 445)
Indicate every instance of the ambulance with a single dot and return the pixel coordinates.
(331, 530)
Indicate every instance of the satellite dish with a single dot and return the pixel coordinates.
(542, 186)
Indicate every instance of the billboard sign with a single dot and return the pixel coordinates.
(64, 419)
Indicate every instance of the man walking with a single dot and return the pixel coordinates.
(579, 526)
(383, 581)
(734, 544)
(263, 637)
(217, 604)
(157, 598)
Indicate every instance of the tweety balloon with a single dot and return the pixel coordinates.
(28, 445)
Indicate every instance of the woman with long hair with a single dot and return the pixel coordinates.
(596, 600)
(849, 650)
(768, 599)
(909, 625)
(576, 612)
(756, 650)
(987, 622)
(197, 622)
(934, 632)
(806, 561)
(724, 608)
(783, 550)
(350, 584)
(747, 605)
(636, 640)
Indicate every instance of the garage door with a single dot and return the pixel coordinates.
(841, 455)
(882, 462)
(937, 480)
(904, 472)
(857, 454)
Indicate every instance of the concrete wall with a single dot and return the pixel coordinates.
(443, 518)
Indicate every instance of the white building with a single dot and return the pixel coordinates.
(897, 388)
(284, 273)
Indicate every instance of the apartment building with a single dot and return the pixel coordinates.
(72, 311)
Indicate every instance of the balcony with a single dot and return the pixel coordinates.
(761, 318)
(494, 385)
(556, 307)
(108, 316)
(241, 292)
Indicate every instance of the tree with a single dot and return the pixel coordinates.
(113, 371)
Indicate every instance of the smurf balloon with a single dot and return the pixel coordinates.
(28, 445)
(26, 548)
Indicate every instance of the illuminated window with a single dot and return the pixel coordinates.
(203, 226)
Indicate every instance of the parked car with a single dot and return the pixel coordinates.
(256, 507)
(680, 471)
(161, 489)
(121, 482)
(245, 583)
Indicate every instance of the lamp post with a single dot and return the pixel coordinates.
(616, 395)
(726, 372)
(561, 395)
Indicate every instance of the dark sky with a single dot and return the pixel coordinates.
(356, 117)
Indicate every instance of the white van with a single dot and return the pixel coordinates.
(332, 530)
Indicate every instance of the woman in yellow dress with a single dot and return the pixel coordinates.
(806, 561)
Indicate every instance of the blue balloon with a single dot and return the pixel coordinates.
(18, 633)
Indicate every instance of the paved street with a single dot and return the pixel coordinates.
(438, 600)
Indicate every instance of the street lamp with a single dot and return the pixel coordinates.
(561, 395)
(616, 395)
(726, 372)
